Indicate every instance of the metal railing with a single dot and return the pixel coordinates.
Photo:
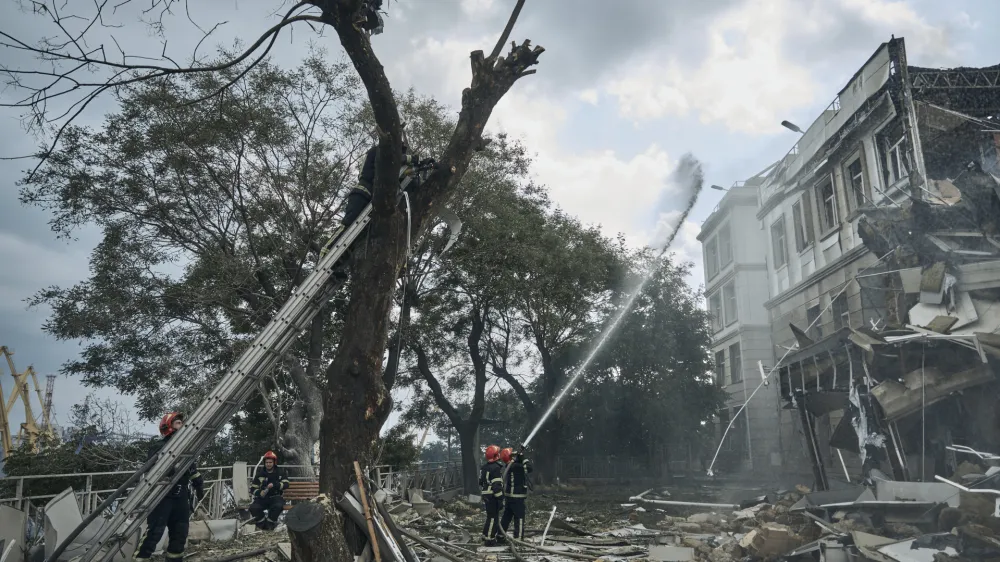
(220, 496)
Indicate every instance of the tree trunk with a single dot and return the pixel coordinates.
(316, 530)
(470, 457)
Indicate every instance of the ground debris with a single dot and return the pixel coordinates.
(244, 542)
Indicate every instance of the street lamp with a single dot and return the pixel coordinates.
(792, 127)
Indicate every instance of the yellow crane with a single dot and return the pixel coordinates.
(29, 431)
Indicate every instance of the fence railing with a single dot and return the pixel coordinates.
(221, 495)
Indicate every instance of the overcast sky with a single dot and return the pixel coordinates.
(622, 91)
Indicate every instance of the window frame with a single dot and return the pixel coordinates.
(850, 184)
(735, 370)
(712, 257)
(720, 367)
(834, 222)
(839, 308)
(725, 240)
(805, 235)
(779, 225)
(730, 306)
(892, 152)
(717, 319)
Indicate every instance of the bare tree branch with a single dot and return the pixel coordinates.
(124, 73)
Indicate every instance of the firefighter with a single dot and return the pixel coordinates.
(361, 195)
(515, 490)
(174, 511)
(490, 483)
(269, 485)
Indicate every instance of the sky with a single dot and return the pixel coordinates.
(623, 90)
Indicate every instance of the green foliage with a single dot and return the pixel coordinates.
(651, 383)
(440, 451)
(398, 448)
(206, 210)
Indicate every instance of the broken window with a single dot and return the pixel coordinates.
(729, 297)
(715, 309)
(893, 156)
(778, 246)
(712, 257)
(735, 363)
(827, 205)
(841, 315)
(725, 247)
(856, 183)
(720, 367)
(802, 219)
(815, 331)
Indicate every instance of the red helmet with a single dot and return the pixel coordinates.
(492, 453)
(272, 456)
(167, 423)
(506, 454)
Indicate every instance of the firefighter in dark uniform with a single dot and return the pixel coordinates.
(174, 512)
(269, 485)
(490, 483)
(361, 195)
(515, 491)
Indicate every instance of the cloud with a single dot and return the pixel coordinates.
(598, 186)
(590, 95)
(767, 58)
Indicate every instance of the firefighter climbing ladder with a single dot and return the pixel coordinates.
(232, 391)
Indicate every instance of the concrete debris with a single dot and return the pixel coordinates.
(842, 526)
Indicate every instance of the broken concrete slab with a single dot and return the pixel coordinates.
(62, 516)
(663, 553)
(241, 486)
(771, 539)
(888, 490)
(833, 497)
(924, 387)
(13, 526)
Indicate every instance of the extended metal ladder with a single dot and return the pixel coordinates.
(229, 395)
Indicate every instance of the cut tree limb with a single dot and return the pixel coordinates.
(368, 512)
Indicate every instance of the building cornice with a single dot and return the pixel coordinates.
(854, 254)
(731, 271)
(738, 331)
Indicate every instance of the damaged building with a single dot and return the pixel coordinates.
(883, 274)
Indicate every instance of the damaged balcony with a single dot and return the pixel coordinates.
(896, 399)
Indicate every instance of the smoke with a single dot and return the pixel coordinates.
(687, 179)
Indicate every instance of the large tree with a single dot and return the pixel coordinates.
(206, 210)
(651, 381)
(461, 293)
(355, 398)
(562, 293)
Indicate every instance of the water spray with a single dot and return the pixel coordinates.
(690, 177)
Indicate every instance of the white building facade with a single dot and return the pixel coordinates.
(736, 289)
